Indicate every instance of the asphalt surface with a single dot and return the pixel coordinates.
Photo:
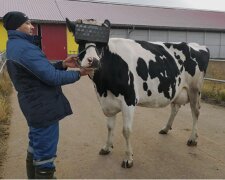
(155, 156)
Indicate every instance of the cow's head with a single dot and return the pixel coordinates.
(92, 37)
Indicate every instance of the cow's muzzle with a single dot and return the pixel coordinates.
(93, 63)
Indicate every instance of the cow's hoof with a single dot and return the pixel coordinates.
(162, 132)
(127, 164)
(192, 143)
(104, 152)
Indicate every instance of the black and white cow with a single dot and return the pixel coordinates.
(148, 74)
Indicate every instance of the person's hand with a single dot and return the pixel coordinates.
(71, 61)
(84, 72)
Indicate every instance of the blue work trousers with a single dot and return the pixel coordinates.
(43, 145)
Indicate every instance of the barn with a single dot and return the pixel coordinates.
(128, 21)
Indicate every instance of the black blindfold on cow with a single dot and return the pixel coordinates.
(90, 31)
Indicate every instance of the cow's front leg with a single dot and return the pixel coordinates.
(128, 114)
(107, 148)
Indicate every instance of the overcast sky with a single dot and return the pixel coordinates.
(214, 5)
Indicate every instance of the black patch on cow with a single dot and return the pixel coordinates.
(81, 54)
(179, 81)
(193, 58)
(163, 67)
(182, 68)
(168, 45)
(142, 69)
(114, 76)
(201, 58)
(189, 65)
(177, 56)
(149, 92)
(180, 62)
(145, 86)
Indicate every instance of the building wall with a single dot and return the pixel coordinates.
(3, 37)
(69, 46)
(72, 46)
(215, 41)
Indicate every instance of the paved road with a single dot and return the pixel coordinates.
(155, 156)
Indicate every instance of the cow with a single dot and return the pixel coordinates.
(130, 73)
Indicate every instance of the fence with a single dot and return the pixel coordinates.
(221, 63)
(2, 61)
(215, 80)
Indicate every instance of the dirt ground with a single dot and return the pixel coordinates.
(4, 133)
(155, 156)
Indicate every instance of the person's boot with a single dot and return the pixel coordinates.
(30, 167)
(44, 173)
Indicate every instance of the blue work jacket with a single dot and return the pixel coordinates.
(37, 81)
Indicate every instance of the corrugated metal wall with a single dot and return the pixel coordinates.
(215, 41)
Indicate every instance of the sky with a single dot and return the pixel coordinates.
(214, 5)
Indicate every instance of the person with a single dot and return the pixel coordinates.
(38, 84)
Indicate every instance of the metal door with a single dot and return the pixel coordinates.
(54, 41)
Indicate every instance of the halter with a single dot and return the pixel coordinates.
(85, 49)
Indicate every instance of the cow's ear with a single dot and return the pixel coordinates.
(107, 23)
(70, 25)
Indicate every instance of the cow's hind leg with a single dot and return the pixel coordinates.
(174, 109)
(107, 148)
(128, 113)
(195, 107)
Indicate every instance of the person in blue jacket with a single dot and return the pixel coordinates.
(38, 83)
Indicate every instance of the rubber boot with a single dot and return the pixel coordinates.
(44, 173)
(30, 167)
